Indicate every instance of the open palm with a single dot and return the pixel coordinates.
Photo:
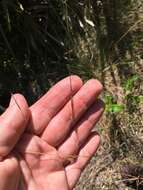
(48, 146)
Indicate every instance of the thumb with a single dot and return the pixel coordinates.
(12, 123)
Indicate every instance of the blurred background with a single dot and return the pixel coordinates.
(42, 41)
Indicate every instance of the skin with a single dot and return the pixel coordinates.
(46, 146)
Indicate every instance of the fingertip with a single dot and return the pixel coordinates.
(92, 143)
(18, 101)
(100, 104)
(95, 138)
(96, 84)
(13, 123)
(17, 97)
(76, 79)
(74, 82)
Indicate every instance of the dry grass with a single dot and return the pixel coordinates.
(121, 133)
(89, 56)
(122, 137)
(122, 142)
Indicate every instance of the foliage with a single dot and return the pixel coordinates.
(43, 41)
(39, 38)
(112, 106)
(129, 84)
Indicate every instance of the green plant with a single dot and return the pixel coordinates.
(130, 83)
(112, 106)
(131, 97)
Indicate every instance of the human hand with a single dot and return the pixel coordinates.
(58, 142)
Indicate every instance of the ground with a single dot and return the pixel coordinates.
(122, 138)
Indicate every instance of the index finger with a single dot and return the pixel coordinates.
(52, 102)
(13, 123)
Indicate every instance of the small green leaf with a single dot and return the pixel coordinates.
(140, 98)
(115, 108)
(109, 99)
(129, 84)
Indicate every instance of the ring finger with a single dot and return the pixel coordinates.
(82, 131)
